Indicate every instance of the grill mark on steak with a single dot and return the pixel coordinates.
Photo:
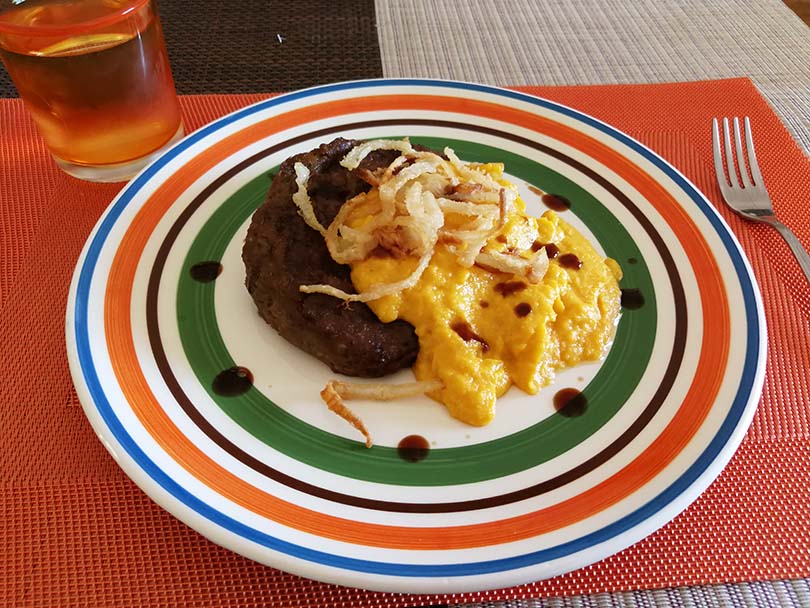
(281, 253)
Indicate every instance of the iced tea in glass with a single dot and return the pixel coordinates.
(95, 76)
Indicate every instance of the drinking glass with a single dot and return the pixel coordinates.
(95, 76)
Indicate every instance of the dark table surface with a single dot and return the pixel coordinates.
(261, 46)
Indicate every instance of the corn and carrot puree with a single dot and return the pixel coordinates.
(480, 332)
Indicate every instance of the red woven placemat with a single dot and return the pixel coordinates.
(76, 531)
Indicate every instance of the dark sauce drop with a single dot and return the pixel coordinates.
(551, 249)
(569, 260)
(523, 309)
(233, 382)
(484, 304)
(632, 261)
(500, 238)
(632, 298)
(413, 448)
(555, 202)
(463, 329)
(509, 287)
(570, 402)
(205, 272)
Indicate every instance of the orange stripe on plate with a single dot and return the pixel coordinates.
(690, 416)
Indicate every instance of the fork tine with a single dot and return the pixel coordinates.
(752, 155)
(740, 158)
(732, 171)
(718, 157)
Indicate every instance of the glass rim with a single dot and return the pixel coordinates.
(76, 28)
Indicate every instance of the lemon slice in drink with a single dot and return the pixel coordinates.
(79, 45)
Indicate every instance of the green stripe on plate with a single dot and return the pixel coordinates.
(270, 423)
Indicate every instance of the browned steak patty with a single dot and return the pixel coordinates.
(281, 253)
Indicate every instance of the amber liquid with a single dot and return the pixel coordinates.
(98, 98)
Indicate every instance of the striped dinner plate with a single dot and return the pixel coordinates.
(220, 422)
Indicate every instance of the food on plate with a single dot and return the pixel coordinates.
(335, 392)
(428, 241)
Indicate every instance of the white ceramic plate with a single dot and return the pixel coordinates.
(271, 474)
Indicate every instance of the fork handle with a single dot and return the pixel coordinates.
(793, 242)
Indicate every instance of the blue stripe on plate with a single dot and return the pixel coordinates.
(647, 511)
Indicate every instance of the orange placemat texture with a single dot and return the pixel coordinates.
(76, 531)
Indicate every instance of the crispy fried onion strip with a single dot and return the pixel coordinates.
(346, 244)
(475, 235)
(335, 403)
(532, 268)
(302, 200)
(420, 200)
(469, 174)
(377, 292)
(356, 155)
(336, 391)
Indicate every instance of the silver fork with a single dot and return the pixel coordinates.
(749, 199)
